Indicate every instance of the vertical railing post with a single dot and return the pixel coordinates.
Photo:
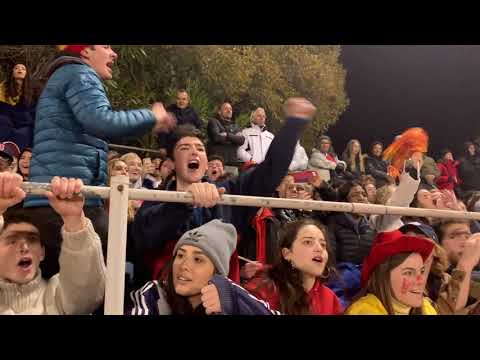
(117, 245)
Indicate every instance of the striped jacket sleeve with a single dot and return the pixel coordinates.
(144, 300)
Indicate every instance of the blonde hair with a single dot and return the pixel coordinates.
(130, 156)
(111, 166)
(352, 159)
(440, 262)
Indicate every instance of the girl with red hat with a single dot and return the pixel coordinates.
(295, 284)
(394, 278)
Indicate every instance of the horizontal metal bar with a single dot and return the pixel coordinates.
(255, 201)
(125, 147)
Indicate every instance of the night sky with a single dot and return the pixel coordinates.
(394, 87)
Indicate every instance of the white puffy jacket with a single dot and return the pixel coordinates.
(257, 142)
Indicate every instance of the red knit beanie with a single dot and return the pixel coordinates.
(388, 244)
(72, 48)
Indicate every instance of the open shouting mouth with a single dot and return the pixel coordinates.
(194, 164)
(25, 264)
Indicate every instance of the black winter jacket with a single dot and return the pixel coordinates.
(185, 116)
(350, 241)
(224, 146)
(377, 167)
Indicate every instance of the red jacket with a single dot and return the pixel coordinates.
(323, 301)
(448, 178)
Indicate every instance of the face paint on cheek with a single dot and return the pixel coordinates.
(406, 285)
(419, 280)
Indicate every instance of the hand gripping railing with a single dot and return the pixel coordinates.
(119, 194)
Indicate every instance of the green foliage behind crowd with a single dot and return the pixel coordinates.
(248, 76)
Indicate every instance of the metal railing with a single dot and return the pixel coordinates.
(119, 194)
(133, 148)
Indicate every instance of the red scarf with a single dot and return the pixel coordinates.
(259, 224)
(330, 158)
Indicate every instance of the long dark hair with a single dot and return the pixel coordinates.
(379, 284)
(179, 305)
(289, 281)
(19, 171)
(26, 93)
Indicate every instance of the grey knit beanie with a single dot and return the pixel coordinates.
(217, 239)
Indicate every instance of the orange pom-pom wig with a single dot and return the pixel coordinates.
(411, 141)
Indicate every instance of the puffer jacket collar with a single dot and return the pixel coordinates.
(61, 61)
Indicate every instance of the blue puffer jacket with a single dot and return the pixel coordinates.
(74, 118)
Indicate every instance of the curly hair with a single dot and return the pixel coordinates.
(289, 282)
